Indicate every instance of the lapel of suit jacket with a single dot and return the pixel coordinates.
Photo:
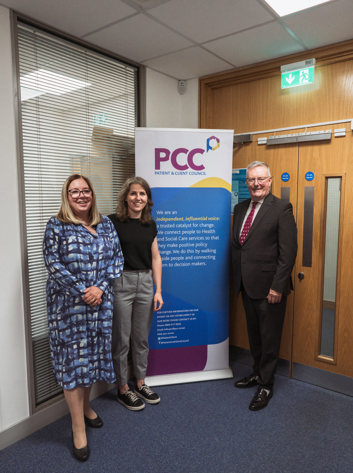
(240, 218)
(265, 207)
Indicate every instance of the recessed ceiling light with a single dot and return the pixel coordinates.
(46, 82)
(145, 4)
(286, 7)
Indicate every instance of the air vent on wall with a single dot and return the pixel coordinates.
(300, 137)
(245, 138)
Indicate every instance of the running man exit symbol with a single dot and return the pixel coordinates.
(297, 78)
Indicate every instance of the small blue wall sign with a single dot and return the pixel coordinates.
(285, 177)
(309, 176)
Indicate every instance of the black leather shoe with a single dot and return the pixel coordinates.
(261, 399)
(248, 382)
(96, 423)
(81, 454)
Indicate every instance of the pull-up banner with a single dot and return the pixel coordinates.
(190, 173)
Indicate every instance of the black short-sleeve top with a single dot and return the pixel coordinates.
(136, 240)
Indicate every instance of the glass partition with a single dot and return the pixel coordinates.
(333, 200)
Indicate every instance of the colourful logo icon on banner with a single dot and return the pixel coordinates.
(213, 143)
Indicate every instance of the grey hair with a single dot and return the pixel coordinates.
(255, 164)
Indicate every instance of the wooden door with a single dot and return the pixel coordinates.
(325, 163)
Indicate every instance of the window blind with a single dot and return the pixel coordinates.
(78, 113)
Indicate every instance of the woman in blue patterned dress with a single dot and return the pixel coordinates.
(83, 256)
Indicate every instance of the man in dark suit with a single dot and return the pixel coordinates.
(263, 255)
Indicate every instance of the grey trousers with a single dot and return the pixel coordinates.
(133, 312)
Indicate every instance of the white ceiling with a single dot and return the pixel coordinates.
(186, 39)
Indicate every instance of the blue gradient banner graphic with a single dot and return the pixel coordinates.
(191, 241)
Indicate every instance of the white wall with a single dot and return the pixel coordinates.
(165, 107)
(14, 405)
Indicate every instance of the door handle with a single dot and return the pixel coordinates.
(300, 276)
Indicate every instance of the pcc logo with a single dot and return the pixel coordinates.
(181, 159)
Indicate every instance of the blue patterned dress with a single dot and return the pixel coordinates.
(80, 335)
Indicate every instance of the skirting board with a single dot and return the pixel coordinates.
(191, 377)
(324, 379)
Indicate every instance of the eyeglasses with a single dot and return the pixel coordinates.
(75, 193)
(260, 180)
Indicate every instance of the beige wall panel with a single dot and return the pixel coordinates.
(251, 99)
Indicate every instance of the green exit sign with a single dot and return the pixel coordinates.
(303, 76)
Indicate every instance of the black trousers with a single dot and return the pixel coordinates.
(264, 324)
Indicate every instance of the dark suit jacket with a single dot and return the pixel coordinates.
(266, 259)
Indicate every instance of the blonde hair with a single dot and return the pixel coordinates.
(66, 214)
(122, 208)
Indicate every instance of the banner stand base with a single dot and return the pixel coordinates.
(191, 377)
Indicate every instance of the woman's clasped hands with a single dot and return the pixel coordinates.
(92, 296)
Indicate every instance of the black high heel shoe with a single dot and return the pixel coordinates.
(96, 423)
(81, 454)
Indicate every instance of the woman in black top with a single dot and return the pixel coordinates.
(134, 298)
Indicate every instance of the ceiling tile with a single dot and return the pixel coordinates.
(76, 17)
(188, 64)
(255, 45)
(326, 24)
(159, 35)
(202, 20)
(139, 38)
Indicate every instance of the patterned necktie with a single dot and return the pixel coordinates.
(247, 224)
